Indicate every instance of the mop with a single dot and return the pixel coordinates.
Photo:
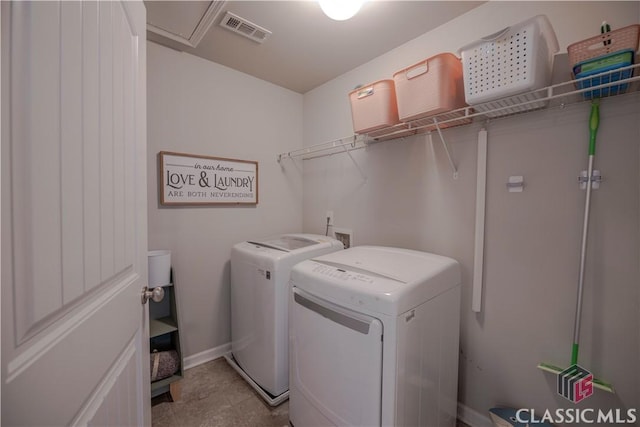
(594, 121)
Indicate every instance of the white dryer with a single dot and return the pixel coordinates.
(374, 339)
(259, 307)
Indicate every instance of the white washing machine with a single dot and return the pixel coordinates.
(373, 339)
(259, 307)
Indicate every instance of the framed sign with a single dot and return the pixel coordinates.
(187, 179)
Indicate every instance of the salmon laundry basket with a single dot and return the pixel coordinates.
(374, 107)
(513, 61)
(430, 87)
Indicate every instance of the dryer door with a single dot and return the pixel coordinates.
(336, 364)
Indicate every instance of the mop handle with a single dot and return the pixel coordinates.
(594, 121)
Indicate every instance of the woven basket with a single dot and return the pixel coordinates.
(603, 44)
(164, 364)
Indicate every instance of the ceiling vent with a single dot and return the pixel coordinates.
(245, 28)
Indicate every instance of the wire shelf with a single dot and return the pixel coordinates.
(341, 145)
(603, 85)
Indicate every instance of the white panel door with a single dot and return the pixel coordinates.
(74, 220)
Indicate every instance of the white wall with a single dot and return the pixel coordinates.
(199, 107)
(410, 199)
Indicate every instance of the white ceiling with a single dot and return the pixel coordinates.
(306, 48)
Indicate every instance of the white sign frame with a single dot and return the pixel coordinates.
(194, 180)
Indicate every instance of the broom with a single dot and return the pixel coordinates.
(594, 122)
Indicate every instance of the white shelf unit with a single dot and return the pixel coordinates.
(558, 95)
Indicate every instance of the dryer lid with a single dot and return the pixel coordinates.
(378, 279)
(401, 265)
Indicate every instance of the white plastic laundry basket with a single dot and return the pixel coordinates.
(514, 60)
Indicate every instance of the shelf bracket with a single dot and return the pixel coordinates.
(353, 144)
(446, 148)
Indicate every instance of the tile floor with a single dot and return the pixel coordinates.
(213, 394)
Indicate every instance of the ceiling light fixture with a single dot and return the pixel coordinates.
(340, 10)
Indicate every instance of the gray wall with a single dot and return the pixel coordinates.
(410, 199)
(198, 107)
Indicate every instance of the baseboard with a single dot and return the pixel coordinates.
(472, 417)
(206, 356)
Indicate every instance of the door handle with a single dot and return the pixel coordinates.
(156, 294)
